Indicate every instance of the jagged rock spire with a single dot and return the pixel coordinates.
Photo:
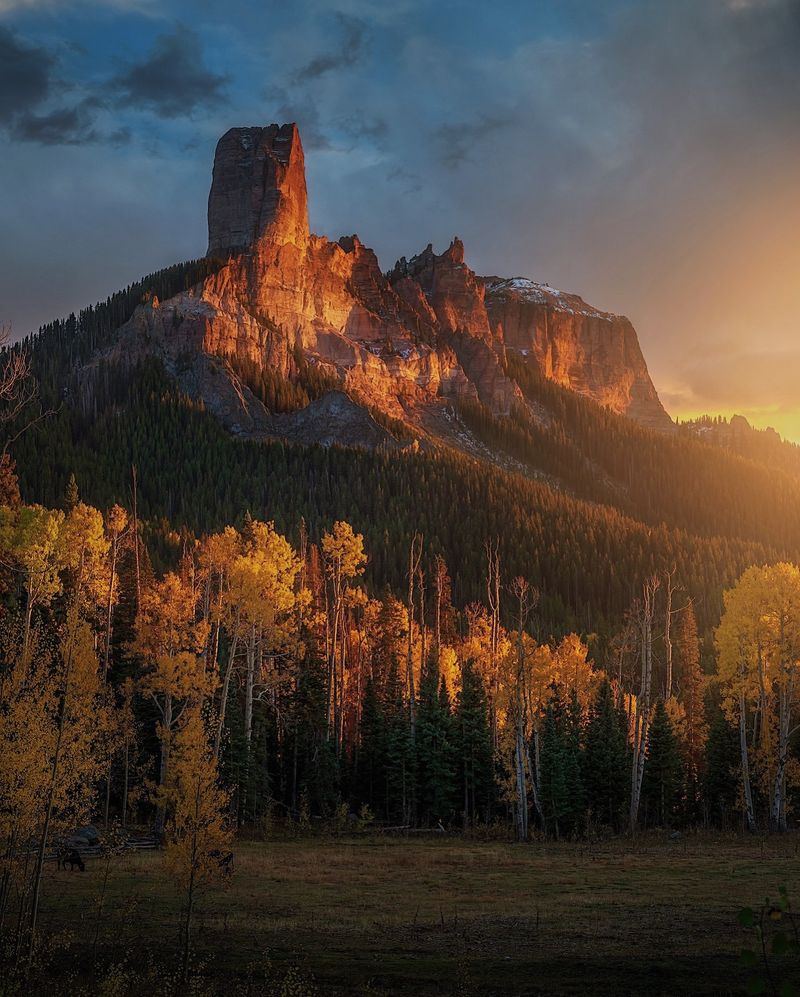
(258, 190)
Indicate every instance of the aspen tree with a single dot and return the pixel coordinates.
(344, 560)
(171, 641)
(197, 832)
(645, 614)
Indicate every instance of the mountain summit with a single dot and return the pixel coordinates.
(406, 345)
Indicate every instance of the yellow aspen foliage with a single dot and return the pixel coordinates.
(197, 806)
(343, 551)
(86, 548)
(32, 538)
(198, 838)
(170, 640)
(758, 643)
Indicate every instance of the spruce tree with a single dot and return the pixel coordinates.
(473, 747)
(372, 750)
(399, 803)
(433, 747)
(662, 773)
(71, 495)
(573, 743)
(720, 782)
(556, 804)
(605, 760)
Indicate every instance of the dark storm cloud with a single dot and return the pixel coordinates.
(459, 143)
(25, 75)
(173, 80)
(353, 38)
(62, 126)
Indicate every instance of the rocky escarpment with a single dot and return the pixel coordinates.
(580, 347)
(429, 332)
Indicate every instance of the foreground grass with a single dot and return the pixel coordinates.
(387, 916)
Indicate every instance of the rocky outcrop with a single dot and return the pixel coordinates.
(258, 190)
(580, 347)
(426, 333)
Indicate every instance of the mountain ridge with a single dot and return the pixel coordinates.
(426, 335)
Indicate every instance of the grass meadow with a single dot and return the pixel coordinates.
(380, 915)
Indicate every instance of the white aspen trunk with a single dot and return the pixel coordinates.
(163, 766)
(48, 813)
(750, 816)
(26, 635)
(248, 686)
(110, 605)
(333, 691)
(226, 683)
(414, 556)
(786, 688)
(533, 767)
(341, 687)
(423, 632)
(522, 795)
(642, 719)
(135, 476)
(668, 638)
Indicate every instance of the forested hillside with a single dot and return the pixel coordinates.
(628, 501)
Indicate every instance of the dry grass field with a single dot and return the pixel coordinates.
(375, 915)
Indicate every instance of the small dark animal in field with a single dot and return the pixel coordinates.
(70, 857)
(223, 859)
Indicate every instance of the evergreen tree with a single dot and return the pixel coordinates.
(605, 760)
(720, 781)
(400, 759)
(573, 738)
(473, 748)
(71, 495)
(662, 773)
(372, 750)
(434, 749)
(561, 788)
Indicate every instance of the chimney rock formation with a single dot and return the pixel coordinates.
(404, 344)
(258, 190)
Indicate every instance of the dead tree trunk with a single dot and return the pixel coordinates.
(414, 558)
(642, 713)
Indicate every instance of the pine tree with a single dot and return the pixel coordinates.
(400, 758)
(572, 740)
(558, 766)
(720, 781)
(434, 749)
(473, 746)
(605, 760)
(71, 496)
(662, 774)
(372, 750)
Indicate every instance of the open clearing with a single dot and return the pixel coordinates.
(396, 916)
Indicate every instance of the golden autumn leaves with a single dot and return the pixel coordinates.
(758, 642)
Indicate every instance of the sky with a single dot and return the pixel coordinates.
(644, 154)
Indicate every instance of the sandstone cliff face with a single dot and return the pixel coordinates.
(429, 331)
(580, 347)
(258, 189)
